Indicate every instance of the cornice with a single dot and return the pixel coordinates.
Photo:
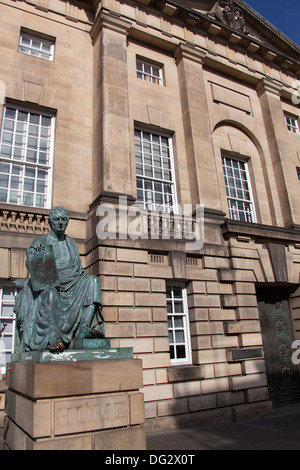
(110, 20)
(260, 232)
(268, 25)
(189, 52)
(217, 29)
(266, 85)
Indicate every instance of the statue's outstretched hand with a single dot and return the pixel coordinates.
(38, 246)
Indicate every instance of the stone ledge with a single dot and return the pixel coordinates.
(59, 379)
(260, 232)
(74, 355)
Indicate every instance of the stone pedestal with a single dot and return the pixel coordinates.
(92, 404)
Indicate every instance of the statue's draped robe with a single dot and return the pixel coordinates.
(57, 311)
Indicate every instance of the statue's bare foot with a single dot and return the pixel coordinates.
(56, 344)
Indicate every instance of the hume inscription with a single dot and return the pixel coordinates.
(90, 414)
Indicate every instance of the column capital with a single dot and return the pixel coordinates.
(266, 85)
(106, 19)
(190, 52)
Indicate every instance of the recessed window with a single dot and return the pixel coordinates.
(36, 46)
(291, 123)
(178, 325)
(7, 320)
(154, 171)
(26, 153)
(238, 190)
(149, 72)
(298, 173)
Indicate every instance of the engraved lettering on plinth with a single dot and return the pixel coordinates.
(90, 414)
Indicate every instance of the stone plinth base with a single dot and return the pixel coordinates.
(83, 405)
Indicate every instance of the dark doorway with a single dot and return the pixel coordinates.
(282, 375)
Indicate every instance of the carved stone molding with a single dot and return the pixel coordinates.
(109, 20)
(189, 52)
(230, 15)
(266, 85)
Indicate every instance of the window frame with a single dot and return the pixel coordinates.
(149, 76)
(147, 204)
(12, 161)
(230, 199)
(187, 360)
(31, 36)
(293, 125)
(11, 318)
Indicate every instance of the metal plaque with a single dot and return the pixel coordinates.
(253, 353)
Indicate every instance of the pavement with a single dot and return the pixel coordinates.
(280, 431)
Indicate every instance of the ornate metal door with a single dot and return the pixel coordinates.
(282, 375)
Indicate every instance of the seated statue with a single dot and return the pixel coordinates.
(70, 306)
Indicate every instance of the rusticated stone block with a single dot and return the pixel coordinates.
(172, 407)
(242, 326)
(123, 439)
(136, 408)
(186, 373)
(238, 300)
(247, 381)
(252, 411)
(227, 275)
(34, 417)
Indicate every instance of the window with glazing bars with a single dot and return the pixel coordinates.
(7, 317)
(178, 325)
(26, 148)
(292, 124)
(149, 72)
(238, 190)
(36, 46)
(154, 171)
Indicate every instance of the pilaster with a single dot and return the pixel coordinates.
(111, 132)
(201, 162)
(279, 146)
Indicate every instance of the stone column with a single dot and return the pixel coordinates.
(280, 149)
(111, 142)
(201, 160)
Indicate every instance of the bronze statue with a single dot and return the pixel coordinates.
(61, 301)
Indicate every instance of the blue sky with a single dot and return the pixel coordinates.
(284, 14)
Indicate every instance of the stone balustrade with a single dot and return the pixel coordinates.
(31, 220)
(169, 226)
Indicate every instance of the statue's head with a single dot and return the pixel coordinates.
(58, 219)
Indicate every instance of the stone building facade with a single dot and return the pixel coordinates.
(110, 106)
